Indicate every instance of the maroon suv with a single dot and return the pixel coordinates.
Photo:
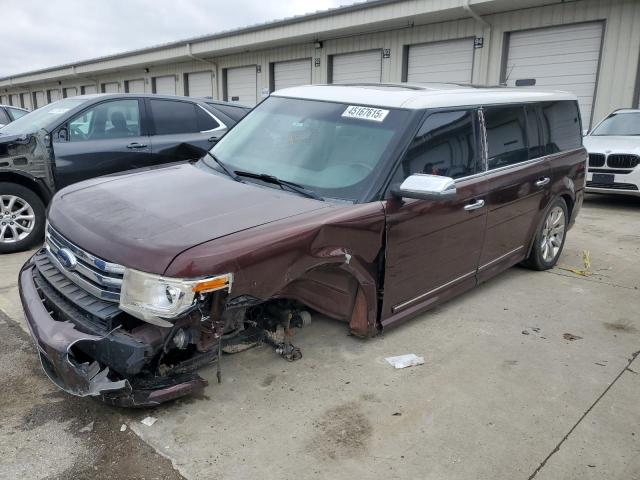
(366, 203)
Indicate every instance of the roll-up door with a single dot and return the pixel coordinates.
(359, 67)
(4, 100)
(70, 92)
(15, 99)
(558, 58)
(54, 95)
(242, 85)
(165, 85)
(135, 86)
(39, 99)
(199, 84)
(291, 74)
(26, 101)
(448, 61)
(89, 89)
(110, 87)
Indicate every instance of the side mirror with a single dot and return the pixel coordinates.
(425, 187)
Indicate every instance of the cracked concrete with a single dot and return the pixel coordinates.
(491, 402)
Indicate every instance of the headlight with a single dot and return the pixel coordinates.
(153, 298)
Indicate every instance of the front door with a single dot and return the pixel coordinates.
(519, 185)
(433, 246)
(103, 139)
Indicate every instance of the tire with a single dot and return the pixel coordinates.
(22, 218)
(550, 237)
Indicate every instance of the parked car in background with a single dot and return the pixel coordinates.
(614, 154)
(8, 114)
(84, 137)
(369, 204)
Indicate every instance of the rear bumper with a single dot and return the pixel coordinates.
(623, 184)
(63, 353)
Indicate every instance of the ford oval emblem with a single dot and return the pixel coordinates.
(67, 258)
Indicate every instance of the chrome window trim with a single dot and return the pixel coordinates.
(221, 124)
(402, 305)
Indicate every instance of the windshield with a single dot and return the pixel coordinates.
(619, 124)
(40, 118)
(332, 149)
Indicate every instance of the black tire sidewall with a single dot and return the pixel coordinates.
(539, 261)
(36, 235)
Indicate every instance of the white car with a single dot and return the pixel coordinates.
(614, 154)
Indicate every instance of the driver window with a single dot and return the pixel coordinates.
(117, 119)
(446, 144)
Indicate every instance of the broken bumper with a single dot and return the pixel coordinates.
(63, 353)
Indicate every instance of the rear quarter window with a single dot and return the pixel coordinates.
(561, 127)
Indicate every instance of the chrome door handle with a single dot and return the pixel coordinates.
(136, 145)
(542, 182)
(474, 206)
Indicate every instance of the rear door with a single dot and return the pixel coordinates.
(433, 246)
(181, 130)
(105, 138)
(519, 185)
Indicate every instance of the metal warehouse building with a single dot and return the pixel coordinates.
(589, 47)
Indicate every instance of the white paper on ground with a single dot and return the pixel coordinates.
(148, 421)
(407, 360)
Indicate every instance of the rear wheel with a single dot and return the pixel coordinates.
(550, 237)
(22, 218)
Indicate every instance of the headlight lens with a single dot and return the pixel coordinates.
(152, 297)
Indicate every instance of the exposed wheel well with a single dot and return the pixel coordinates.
(569, 201)
(27, 182)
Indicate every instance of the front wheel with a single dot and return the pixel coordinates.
(22, 218)
(550, 237)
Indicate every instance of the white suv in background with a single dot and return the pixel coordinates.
(614, 154)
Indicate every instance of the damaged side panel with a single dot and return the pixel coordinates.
(29, 155)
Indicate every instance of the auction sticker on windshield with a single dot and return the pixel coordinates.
(365, 113)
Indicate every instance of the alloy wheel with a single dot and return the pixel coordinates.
(17, 219)
(552, 234)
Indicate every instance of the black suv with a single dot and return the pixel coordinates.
(83, 137)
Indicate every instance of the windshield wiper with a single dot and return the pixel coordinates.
(282, 183)
(226, 169)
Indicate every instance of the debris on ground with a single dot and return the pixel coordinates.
(586, 261)
(123, 428)
(87, 428)
(397, 414)
(571, 337)
(525, 332)
(407, 360)
(148, 421)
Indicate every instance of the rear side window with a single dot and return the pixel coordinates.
(506, 135)
(235, 113)
(16, 114)
(171, 117)
(205, 121)
(561, 128)
(446, 144)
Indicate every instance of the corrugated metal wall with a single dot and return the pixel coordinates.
(616, 87)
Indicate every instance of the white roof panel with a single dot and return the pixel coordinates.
(415, 96)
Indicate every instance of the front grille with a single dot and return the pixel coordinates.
(596, 160)
(623, 161)
(92, 274)
(614, 186)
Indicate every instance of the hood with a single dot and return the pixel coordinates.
(143, 220)
(616, 144)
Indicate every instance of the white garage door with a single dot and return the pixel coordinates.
(450, 61)
(54, 95)
(199, 84)
(135, 86)
(89, 89)
(561, 58)
(4, 100)
(40, 100)
(360, 67)
(165, 85)
(291, 74)
(242, 85)
(15, 100)
(110, 87)
(70, 92)
(26, 100)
